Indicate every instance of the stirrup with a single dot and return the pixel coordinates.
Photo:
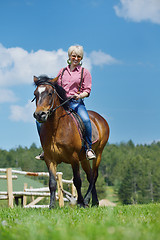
(92, 156)
(40, 157)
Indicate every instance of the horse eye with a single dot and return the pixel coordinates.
(50, 94)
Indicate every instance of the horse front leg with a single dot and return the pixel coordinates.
(78, 183)
(52, 184)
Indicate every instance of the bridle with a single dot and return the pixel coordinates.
(52, 109)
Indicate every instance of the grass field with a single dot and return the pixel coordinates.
(111, 223)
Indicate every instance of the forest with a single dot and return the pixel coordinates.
(133, 171)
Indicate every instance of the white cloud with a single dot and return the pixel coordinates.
(100, 58)
(24, 114)
(7, 95)
(17, 66)
(139, 10)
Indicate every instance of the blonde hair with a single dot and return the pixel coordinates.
(77, 49)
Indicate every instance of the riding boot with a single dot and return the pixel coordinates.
(90, 154)
(40, 156)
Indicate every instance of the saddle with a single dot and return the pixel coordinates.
(81, 128)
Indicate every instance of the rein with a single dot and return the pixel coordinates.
(51, 110)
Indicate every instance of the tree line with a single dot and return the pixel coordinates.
(133, 171)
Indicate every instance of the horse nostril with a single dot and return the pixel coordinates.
(42, 114)
(34, 114)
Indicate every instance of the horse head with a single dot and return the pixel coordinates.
(44, 96)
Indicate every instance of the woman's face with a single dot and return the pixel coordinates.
(75, 59)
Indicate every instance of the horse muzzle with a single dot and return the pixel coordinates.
(41, 116)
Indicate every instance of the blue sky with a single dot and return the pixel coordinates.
(121, 40)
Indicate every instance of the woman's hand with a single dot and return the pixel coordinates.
(81, 95)
(77, 96)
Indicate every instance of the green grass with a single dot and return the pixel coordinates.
(111, 223)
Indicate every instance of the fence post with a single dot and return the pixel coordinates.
(25, 197)
(74, 191)
(60, 189)
(10, 187)
(32, 197)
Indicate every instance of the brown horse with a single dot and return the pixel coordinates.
(61, 140)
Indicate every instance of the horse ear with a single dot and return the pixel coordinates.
(54, 79)
(35, 79)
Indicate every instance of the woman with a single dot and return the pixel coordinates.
(77, 83)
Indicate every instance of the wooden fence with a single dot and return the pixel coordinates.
(40, 193)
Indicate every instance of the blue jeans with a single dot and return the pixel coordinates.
(38, 127)
(79, 107)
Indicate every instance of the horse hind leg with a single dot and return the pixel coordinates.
(95, 201)
(92, 190)
(87, 168)
(92, 175)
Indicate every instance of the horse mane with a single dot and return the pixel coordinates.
(45, 80)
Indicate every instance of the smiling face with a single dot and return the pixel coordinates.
(75, 59)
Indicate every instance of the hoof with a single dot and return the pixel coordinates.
(95, 204)
(52, 206)
(86, 205)
(81, 205)
(86, 201)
